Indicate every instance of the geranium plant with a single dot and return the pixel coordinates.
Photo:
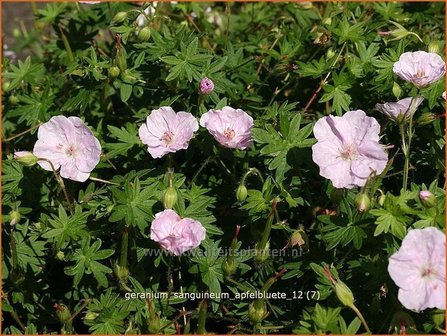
(243, 168)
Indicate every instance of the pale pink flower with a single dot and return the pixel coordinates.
(420, 68)
(348, 149)
(70, 145)
(399, 110)
(418, 269)
(175, 234)
(206, 86)
(443, 95)
(166, 131)
(230, 127)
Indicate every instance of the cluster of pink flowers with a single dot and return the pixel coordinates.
(166, 131)
(418, 269)
(175, 234)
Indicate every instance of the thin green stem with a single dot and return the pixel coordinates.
(406, 143)
(61, 183)
(203, 307)
(15, 258)
(66, 45)
(101, 180)
(359, 314)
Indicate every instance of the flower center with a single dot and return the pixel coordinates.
(427, 272)
(348, 153)
(168, 138)
(229, 133)
(420, 74)
(71, 150)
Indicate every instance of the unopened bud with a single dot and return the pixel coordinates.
(241, 193)
(60, 255)
(433, 47)
(62, 312)
(120, 17)
(13, 100)
(427, 199)
(382, 198)
(438, 317)
(122, 273)
(229, 266)
(16, 33)
(14, 217)
(121, 58)
(25, 158)
(299, 237)
(261, 255)
(426, 118)
(363, 202)
(329, 54)
(114, 72)
(89, 316)
(206, 86)
(5, 86)
(257, 311)
(144, 34)
(397, 90)
(154, 324)
(343, 293)
(170, 198)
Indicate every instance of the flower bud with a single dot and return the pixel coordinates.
(60, 255)
(14, 217)
(397, 90)
(144, 34)
(329, 54)
(25, 158)
(114, 72)
(363, 202)
(16, 33)
(62, 312)
(13, 100)
(327, 21)
(122, 273)
(170, 198)
(261, 255)
(89, 316)
(438, 317)
(241, 193)
(206, 86)
(434, 47)
(382, 198)
(120, 17)
(6, 86)
(426, 118)
(343, 293)
(229, 266)
(257, 311)
(154, 325)
(427, 199)
(121, 58)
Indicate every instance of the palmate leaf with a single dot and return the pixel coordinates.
(278, 143)
(12, 174)
(66, 229)
(110, 311)
(24, 71)
(86, 262)
(127, 138)
(134, 204)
